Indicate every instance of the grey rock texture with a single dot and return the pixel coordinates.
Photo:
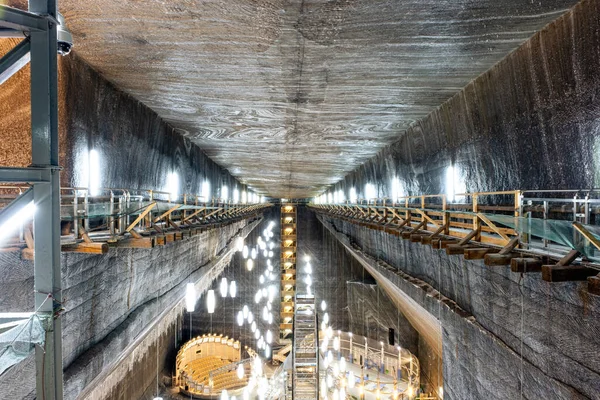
(110, 299)
(529, 122)
(137, 149)
(503, 335)
(306, 79)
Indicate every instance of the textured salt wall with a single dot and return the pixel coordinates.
(513, 335)
(110, 299)
(137, 149)
(530, 122)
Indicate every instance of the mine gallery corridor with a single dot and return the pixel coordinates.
(300, 199)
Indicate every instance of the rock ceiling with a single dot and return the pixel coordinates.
(290, 96)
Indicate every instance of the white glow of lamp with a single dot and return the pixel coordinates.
(190, 297)
(223, 288)
(211, 301)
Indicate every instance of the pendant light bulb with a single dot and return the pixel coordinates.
(239, 244)
(223, 288)
(210, 301)
(190, 297)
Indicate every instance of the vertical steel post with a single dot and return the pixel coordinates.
(44, 153)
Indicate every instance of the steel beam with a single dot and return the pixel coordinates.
(25, 175)
(44, 154)
(23, 21)
(14, 206)
(14, 60)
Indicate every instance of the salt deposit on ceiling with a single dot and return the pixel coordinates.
(291, 95)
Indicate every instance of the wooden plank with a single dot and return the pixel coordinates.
(526, 264)
(27, 254)
(510, 245)
(140, 217)
(565, 273)
(469, 236)
(160, 240)
(493, 226)
(85, 247)
(166, 213)
(594, 284)
(443, 243)
(478, 253)
(457, 249)
(569, 258)
(425, 216)
(416, 237)
(143, 243)
(587, 234)
(499, 259)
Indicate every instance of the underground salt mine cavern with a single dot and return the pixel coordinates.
(300, 199)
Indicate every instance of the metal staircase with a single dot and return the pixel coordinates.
(305, 349)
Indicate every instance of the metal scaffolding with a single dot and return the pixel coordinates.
(305, 360)
(39, 27)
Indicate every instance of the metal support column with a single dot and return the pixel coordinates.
(44, 150)
(40, 25)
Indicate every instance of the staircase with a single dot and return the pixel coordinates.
(305, 355)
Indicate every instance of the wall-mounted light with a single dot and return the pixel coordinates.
(396, 189)
(236, 196)
(370, 191)
(244, 197)
(224, 193)
(206, 191)
(94, 173)
(173, 185)
(353, 196)
(454, 183)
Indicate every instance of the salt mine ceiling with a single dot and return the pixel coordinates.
(290, 96)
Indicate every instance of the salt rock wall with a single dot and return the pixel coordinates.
(111, 298)
(530, 122)
(504, 335)
(137, 149)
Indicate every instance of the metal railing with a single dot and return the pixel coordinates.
(550, 221)
(132, 218)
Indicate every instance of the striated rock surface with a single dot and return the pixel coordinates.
(265, 85)
(506, 335)
(530, 122)
(110, 299)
